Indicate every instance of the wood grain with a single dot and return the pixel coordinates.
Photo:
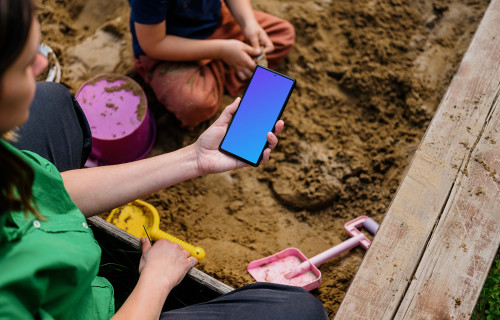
(133, 242)
(432, 253)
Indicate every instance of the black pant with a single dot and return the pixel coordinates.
(257, 301)
(57, 128)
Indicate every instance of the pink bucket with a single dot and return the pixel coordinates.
(122, 128)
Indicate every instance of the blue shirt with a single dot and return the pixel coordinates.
(194, 19)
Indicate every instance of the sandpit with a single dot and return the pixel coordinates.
(370, 75)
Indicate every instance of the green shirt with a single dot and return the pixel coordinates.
(48, 268)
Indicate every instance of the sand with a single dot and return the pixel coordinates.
(370, 75)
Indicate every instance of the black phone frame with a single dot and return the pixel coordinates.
(272, 130)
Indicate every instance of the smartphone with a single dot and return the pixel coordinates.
(260, 107)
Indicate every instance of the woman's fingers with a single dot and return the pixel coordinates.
(145, 244)
(228, 113)
(193, 261)
(186, 253)
(278, 127)
(265, 155)
(272, 139)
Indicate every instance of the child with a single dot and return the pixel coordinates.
(189, 51)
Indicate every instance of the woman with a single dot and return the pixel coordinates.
(48, 256)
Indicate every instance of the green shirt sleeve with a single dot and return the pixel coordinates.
(48, 268)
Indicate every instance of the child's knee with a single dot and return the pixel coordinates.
(288, 34)
(192, 93)
(283, 39)
(195, 107)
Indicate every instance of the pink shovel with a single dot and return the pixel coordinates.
(292, 267)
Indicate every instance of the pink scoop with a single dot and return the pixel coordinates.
(292, 267)
(275, 269)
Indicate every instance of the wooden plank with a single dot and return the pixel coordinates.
(430, 212)
(134, 242)
(457, 259)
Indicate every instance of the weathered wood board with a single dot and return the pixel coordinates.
(432, 253)
(133, 242)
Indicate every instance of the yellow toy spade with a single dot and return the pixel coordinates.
(139, 216)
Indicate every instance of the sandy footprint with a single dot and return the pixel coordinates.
(313, 182)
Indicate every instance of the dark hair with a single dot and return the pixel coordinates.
(15, 24)
(16, 176)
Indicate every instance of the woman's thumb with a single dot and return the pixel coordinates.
(145, 244)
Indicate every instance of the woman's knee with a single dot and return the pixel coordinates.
(309, 306)
(301, 304)
(54, 94)
(60, 106)
(56, 128)
(289, 302)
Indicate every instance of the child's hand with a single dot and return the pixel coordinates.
(210, 159)
(239, 56)
(257, 37)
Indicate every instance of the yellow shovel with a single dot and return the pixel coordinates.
(139, 216)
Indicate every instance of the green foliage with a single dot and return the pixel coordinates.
(488, 304)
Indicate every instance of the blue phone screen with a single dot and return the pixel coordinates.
(259, 109)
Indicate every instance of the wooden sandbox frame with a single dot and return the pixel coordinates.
(432, 253)
(196, 287)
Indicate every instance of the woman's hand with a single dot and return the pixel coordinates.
(210, 159)
(239, 56)
(162, 267)
(166, 261)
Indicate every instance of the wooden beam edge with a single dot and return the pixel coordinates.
(135, 243)
(353, 303)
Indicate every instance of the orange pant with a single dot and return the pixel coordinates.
(192, 91)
